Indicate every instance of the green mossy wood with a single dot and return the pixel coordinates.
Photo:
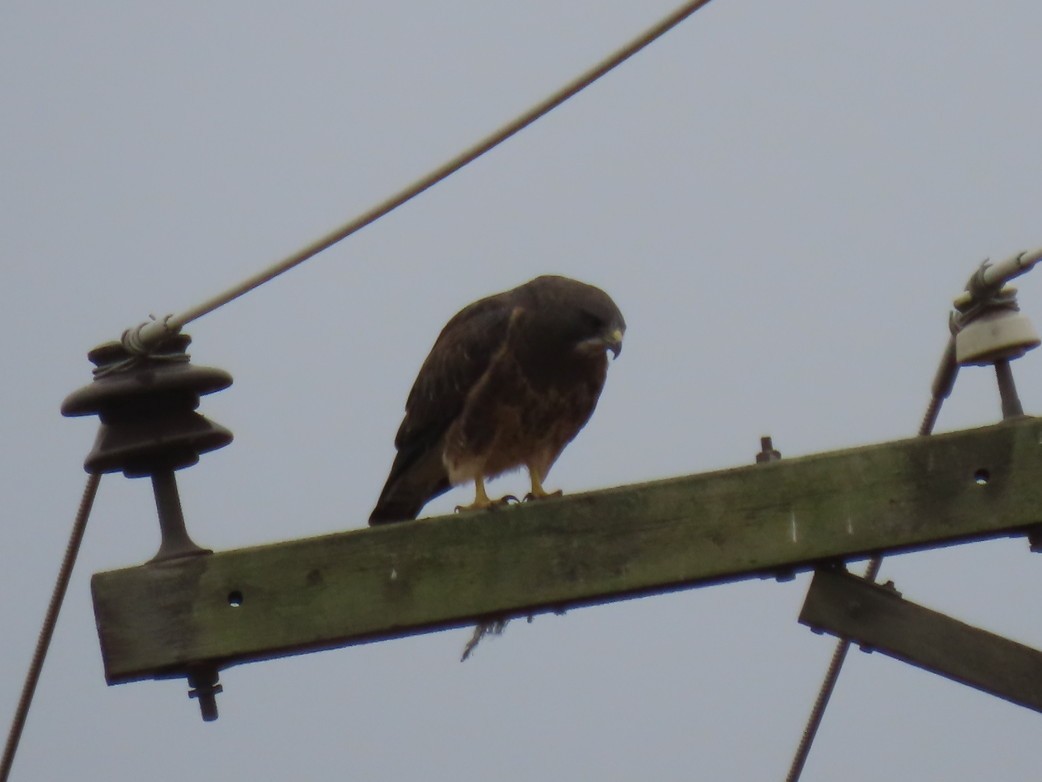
(879, 619)
(373, 584)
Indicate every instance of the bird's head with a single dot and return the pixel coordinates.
(572, 319)
(597, 323)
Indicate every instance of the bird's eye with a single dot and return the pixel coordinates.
(592, 321)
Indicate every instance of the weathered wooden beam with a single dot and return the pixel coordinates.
(879, 619)
(373, 584)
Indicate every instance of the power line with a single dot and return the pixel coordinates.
(153, 332)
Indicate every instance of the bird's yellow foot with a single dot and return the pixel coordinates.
(538, 492)
(542, 495)
(482, 501)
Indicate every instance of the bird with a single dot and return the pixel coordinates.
(511, 379)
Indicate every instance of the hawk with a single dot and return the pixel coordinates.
(511, 379)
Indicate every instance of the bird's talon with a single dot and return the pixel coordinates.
(508, 500)
(531, 496)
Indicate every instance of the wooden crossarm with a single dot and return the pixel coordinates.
(374, 584)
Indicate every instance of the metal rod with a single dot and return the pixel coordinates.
(1011, 407)
(203, 684)
(175, 540)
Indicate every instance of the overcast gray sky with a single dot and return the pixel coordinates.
(782, 198)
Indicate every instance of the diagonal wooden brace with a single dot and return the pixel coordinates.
(879, 619)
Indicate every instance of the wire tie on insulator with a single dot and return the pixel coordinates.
(142, 342)
(143, 339)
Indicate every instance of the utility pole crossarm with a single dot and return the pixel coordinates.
(762, 520)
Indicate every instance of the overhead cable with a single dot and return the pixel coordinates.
(50, 620)
(151, 333)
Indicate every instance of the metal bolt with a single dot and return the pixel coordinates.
(204, 686)
(769, 454)
(767, 451)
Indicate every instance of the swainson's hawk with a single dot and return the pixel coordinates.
(510, 381)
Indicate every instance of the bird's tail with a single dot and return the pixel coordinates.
(416, 478)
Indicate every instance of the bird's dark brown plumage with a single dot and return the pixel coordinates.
(510, 381)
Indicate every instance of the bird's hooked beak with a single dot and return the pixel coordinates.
(609, 340)
(613, 342)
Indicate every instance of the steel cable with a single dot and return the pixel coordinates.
(151, 333)
(50, 620)
(942, 387)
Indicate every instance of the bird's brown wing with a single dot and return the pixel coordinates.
(460, 356)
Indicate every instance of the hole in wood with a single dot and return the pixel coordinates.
(981, 477)
(235, 598)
